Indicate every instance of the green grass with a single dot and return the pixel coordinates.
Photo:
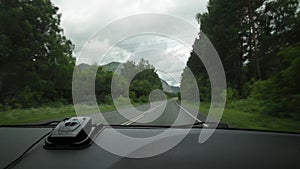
(43, 114)
(240, 119)
(46, 113)
(234, 117)
(33, 115)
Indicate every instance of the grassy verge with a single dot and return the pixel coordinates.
(33, 115)
(43, 114)
(246, 120)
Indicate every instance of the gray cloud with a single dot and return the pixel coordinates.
(81, 19)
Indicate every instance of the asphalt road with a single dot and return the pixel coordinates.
(163, 113)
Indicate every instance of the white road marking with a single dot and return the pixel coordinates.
(139, 116)
(205, 125)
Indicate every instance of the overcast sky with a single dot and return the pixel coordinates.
(82, 19)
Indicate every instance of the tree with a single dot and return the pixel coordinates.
(258, 43)
(281, 92)
(35, 56)
(144, 79)
(275, 23)
(197, 68)
(225, 25)
(247, 35)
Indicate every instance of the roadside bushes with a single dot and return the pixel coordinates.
(247, 105)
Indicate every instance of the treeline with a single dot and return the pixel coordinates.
(36, 62)
(131, 80)
(137, 81)
(258, 43)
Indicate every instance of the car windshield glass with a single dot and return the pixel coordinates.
(207, 63)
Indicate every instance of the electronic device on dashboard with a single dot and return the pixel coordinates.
(73, 133)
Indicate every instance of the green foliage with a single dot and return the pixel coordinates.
(143, 99)
(103, 85)
(26, 96)
(258, 44)
(36, 59)
(196, 67)
(172, 95)
(281, 92)
(122, 101)
(179, 96)
(144, 82)
(247, 105)
(232, 95)
(237, 118)
(139, 87)
(84, 76)
(108, 99)
(225, 25)
(204, 86)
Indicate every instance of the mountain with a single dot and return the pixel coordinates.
(168, 88)
(175, 89)
(83, 66)
(112, 66)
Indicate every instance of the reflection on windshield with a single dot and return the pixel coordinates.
(150, 78)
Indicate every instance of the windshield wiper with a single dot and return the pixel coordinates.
(138, 125)
(221, 125)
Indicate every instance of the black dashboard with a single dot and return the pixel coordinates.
(225, 149)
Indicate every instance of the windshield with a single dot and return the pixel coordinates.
(168, 63)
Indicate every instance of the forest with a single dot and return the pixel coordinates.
(258, 44)
(257, 41)
(37, 62)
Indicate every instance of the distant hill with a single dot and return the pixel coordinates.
(108, 67)
(112, 66)
(168, 88)
(175, 89)
(83, 66)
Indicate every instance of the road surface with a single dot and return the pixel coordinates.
(170, 113)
